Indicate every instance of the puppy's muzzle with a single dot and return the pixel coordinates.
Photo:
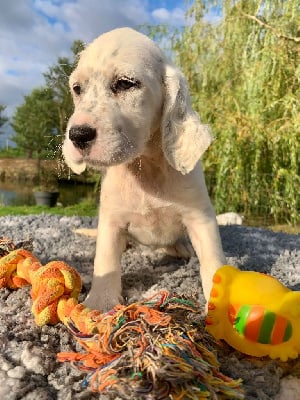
(82, 136)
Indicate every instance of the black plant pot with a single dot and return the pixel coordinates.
(48, 199)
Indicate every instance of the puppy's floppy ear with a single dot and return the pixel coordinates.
(184, 137)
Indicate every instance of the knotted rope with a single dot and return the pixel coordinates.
(150, 349)
(55, 287)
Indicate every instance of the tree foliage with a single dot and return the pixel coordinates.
(35, 124)
(3, 118)
(57, 78)
(40, 122)
(244, 74)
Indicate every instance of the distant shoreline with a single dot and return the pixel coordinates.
(27, 170)
(22, 169)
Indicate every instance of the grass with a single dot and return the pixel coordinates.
(89, 209)
(293, 229)
(269, 223)
(84, 209)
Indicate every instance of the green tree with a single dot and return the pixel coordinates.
(57, 78)
(244, 74)
(35, 123)
(3, 118)
(40, 122)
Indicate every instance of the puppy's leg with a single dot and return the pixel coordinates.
(204, 234)
(181, 249)
(106, 285)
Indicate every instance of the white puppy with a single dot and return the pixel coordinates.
(134, 119)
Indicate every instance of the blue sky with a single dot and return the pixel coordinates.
(34, 33)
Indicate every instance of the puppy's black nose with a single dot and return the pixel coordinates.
(82, 135)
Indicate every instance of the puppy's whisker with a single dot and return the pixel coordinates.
(129, 141)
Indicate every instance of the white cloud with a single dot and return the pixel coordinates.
(29, 44)
(47, 7)
(162, 14)
(86, 19)
(173, 17)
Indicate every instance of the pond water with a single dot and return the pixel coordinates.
(21, 193)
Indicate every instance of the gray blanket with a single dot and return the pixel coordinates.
(28, 366)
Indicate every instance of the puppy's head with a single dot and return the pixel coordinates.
(117, 93)
(124, 91)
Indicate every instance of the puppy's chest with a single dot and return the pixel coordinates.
(148, 210)
(155, 226)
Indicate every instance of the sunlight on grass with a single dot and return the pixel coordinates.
(293, 229)
(83, 209)
(89, 209)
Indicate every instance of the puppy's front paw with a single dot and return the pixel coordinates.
(105, 292)
(102, 302)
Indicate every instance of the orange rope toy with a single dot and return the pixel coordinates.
(55, 286)
(147, 348)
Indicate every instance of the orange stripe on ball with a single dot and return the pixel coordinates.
(254, 322)
(279, 330)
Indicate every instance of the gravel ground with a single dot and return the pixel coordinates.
(28, 367)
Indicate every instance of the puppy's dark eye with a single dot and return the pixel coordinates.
(76, 89)
(124, 83)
